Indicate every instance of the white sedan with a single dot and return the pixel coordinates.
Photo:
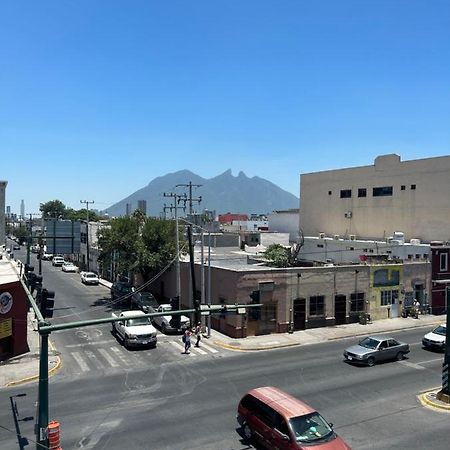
(89, 278)
(69, 267)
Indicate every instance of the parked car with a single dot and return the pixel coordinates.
(166, 324)
(69, 267)
(123, 291)
(89, 278)
(47, 256)
(373, 349)
(57, 261)
(145, 301)
(279, 420)
(436, 338)
(134, 332)
(16, 247)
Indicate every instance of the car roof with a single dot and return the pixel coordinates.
(382, 337)
(282, 402)
(89, 273)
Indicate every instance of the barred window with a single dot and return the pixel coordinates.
(357, 302)
(317, 305)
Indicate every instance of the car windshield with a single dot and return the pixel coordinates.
(369, 343)
(139, 321)
(310, 428)
(166, 308)
(148, 300)
(440, 330)
(90, 275)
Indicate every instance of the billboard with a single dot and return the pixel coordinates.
(62, 236)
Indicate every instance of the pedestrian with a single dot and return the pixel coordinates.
(187, 340)
(417, 308)
(198, 333)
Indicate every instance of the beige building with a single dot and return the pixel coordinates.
(377, 200)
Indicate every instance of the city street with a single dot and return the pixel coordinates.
(160, 399)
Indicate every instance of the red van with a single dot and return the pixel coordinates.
(281, 422)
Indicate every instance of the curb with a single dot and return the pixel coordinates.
(426, 402)
(272, 347)
(51, 372)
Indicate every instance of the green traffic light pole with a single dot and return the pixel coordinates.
(444, 393)
(42, 422)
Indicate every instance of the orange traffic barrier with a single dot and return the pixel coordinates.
(53, 435)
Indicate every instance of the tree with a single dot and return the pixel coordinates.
(138, 245)
(53, 208)
(277, 255)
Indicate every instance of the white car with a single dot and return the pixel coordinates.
(436, 339)
(57, 261)
(89, 278)
(165, 322)
(69, 267)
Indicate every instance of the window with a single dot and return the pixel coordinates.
(389, 298)
(362, 192)
(357, 302)
(413, 187)
(320, 245)
(403, 187)
(382, 191)
(417, 256)
(346, 193)
(410, 256)
(443, 262)
(329, 192)
(317, 305)
(393, 343)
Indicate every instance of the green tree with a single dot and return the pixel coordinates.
(277, 255)
(53, 208)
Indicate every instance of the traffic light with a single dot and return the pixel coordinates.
(34, 282)
(28, 269)
(47, 302)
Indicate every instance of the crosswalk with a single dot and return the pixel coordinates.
(110, 355)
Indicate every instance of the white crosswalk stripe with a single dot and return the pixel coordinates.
(94, 359)
(207, 347)
(180, 347)
(198, 350)
(108, 357)
(120, 355)
(80, 361)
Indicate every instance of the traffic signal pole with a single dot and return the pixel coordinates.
(42, 422)
(444, 393)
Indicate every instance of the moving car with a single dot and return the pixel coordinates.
(373, 349)
(47, 256)
(57, 261)
(134, 332)
(166, 324)
(89, 278)
(435, 339)
(144, 301)
(279, 421)
(69, 267)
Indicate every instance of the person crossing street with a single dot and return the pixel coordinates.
(198, 333)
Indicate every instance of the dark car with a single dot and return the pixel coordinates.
(16, 247)
(144, 301)
(123, 291)
(373, 349)
(279, 421)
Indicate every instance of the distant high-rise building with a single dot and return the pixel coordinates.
(128, 209)
(142, 205)
(2, 211)
(22, 209)
(8, 211)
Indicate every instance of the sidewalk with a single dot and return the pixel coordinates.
(317, 335)
(24, 368)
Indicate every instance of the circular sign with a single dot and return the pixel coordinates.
(6, 302)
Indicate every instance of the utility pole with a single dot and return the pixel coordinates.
(444, 393)
(177, 237)
(190, 185)
(87, 202)
(30, 236)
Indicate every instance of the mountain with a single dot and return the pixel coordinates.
(223, 193)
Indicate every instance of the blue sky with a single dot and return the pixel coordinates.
(97, 98)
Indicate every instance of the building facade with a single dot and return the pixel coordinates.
(377, 200)
(3, 185)
(440, 274)
(142, 206)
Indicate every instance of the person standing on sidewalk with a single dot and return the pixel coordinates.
(187, 340)
(198, 333)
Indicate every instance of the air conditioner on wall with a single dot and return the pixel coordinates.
(348, 214)
(321, 235)
(352, 237)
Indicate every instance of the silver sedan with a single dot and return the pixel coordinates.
(373, 349)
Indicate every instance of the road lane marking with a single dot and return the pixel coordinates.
(84, 344)
(108, 357)
(210, 349)
(119, 354)
(77, 357)
(180, 347)
(94, 359)
(431, 361)
(412, 365)
(198, 350)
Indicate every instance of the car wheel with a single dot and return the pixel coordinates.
(164, 328)
(248, 432)
(370, 361)
(400, 356)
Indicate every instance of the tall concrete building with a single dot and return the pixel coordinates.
(128, 209)
(22, 209)
(142, 205)
(2, 212)
(377, 200)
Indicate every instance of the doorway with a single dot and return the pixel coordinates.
(299, 312)
(340, 309)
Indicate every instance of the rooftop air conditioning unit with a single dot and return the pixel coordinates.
(352, 237)
(336, 237)
(321, 235)
(415, 241)
(348, 214)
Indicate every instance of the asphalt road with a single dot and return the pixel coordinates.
(190, 403)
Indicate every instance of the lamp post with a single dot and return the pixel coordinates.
(87, 202)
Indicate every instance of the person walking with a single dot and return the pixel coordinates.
(187, 340)
(198, 333)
